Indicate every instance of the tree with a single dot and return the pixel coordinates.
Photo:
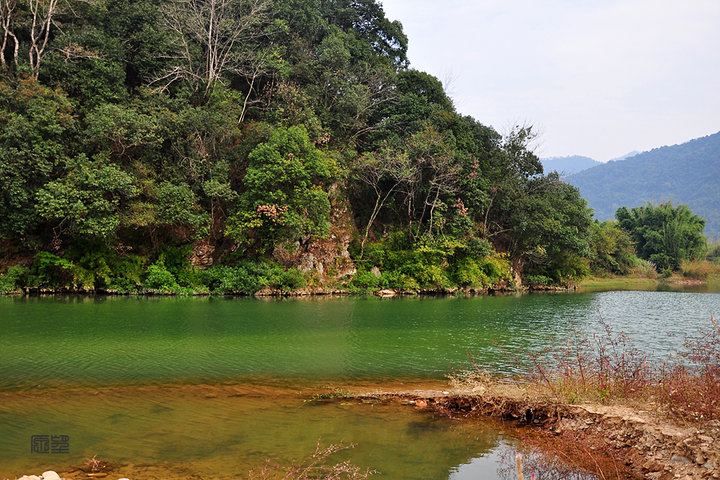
(385, 172)
(214, 38)
(43, 17)
(284, 199)
(611, 249)
(7, 14)
(664, 235)
(86, 200)
(36, 141)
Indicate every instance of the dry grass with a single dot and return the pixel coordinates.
(608, 368)
(95, 465)
(316, 466)
(645, 268)
(700, 269)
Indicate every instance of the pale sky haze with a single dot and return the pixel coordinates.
(595, 78)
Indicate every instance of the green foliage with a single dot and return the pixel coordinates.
(664, 235)
(713, 254)
(284, 198)
(122, 156)
(158, 278)
(49, 271)
(611, 249)
(225, 279)
(249, 277)
(434, 264)
(35, 142)
(534, 281)
(86, 201)
(13, 279)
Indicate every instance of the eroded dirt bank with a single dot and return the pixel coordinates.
(647, 445)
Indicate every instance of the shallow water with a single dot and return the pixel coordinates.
(210, 431)
(203, 386)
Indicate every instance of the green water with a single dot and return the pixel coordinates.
(149, 381)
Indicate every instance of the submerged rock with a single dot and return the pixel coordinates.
(50, 475)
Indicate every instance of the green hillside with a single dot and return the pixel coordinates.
(686, 174)
(246, 145)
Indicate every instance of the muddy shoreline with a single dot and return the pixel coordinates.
(648, 446)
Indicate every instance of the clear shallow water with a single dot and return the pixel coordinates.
(210, 432)
(126, 377)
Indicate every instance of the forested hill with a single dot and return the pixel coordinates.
(233, 145)
(684, 174)
(568, 165)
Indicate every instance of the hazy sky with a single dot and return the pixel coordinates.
(595, 77)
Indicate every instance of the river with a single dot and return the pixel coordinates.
(208, 386)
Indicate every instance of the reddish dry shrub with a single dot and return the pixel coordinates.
(603, 367)
(316, 466)
(691, 388)
(607, 366)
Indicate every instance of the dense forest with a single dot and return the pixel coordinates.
(688, 174)
(237, 145)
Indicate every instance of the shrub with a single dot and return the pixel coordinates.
(537, 281)
(366, 281)
(714, 253)
(426, 276)
(645, 268)
(316, 466)
(12, 279)
(691, 389)
(291, 279)
(160, 279)
(468, 273)
(50, 271)
(497, 268)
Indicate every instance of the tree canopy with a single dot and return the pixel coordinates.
(138, 135)
(663, 234)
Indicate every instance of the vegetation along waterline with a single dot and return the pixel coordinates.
(148, 162)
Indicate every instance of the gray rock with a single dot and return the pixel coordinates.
(679, 459)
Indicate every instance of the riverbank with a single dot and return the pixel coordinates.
(676, 281)
(612, 441)
(634, 440)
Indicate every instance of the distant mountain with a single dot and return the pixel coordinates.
(568, 165)
(626, 156)
(687, 174)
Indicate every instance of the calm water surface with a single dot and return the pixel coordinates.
(123, 376)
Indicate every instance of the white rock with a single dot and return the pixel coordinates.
(50, 475)
(123, 479)
(30, 477)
